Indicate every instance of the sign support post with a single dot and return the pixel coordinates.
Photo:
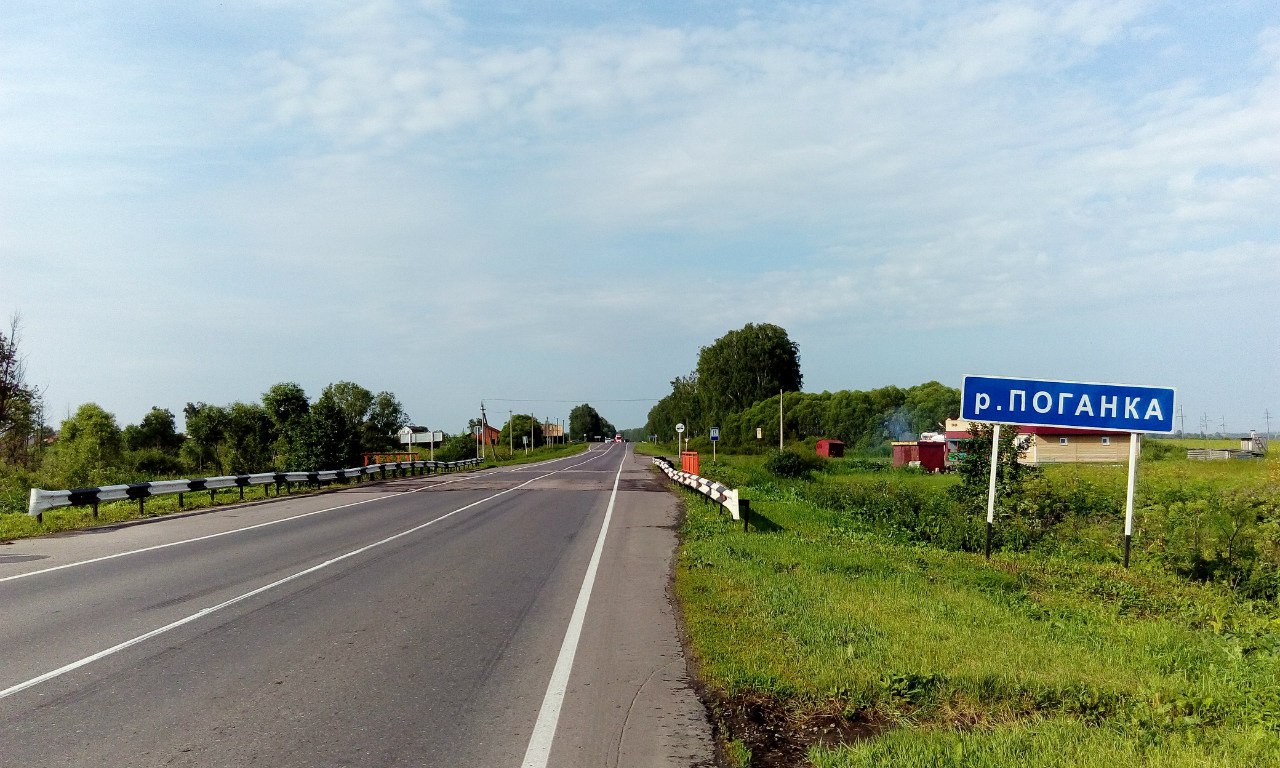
(1128, 496)
(991, 485)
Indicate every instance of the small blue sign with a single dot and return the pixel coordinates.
(1072, 404)
(715, 434)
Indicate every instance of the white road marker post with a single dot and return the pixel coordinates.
(1128, 496)
(991, 486)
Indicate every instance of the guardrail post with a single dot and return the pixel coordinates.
(95, 511)
(744, 507)
(180, 501)
(242, 493)
(142, 509)
(213, 497)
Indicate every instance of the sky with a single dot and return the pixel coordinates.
(539, 205)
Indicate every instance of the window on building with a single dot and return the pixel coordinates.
(1062, 441)
(1106, 441)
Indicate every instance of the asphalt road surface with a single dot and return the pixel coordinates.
(512, 617)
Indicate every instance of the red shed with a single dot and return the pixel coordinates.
(933, 456)
(905, 452)
(832, 449)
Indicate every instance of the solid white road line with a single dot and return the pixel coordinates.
(544, 730)
(215, 608)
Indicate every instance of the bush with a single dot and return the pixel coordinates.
(789, 464)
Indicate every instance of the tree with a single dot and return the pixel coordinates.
(680, 407)
(87, 451)
(288, 407)
(386, 417)
(249, 437)
(323, 439)
(206, 428)
(521, 424)
(585, 420)
(744, 367)
(974, 466)
(157, 431)
(21, 407)
(351, 403)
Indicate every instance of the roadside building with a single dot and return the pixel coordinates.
(832, 449)
(1052, 445)
(488, 435)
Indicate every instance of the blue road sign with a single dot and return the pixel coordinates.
(715, 434)
(1078, 405)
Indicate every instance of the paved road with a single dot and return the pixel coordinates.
(421, 622)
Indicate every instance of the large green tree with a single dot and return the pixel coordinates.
(586, 422)
(744, 367)
(385, 418)
(157, 431)
(682, 406)
(206, 428)
(88, 450)
(522, 425)
(288, 406)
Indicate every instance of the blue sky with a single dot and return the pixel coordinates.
(563, 203)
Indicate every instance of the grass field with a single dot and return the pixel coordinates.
(824, 622)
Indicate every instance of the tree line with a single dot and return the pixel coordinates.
(740, 377)
(285, 431)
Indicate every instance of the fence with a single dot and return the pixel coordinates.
(42, 500)
(722, 495)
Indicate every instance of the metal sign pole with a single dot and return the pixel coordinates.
(991, 486)
(1128, 496)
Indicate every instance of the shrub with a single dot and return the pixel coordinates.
(789, 464)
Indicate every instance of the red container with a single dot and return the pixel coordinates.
(689, 462)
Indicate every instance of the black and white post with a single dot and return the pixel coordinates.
(991, 485)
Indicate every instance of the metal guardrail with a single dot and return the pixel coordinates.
(721, 494)
(42, 500)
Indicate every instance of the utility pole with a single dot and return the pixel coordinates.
(1268, 415)
(482, 437)
(511, 432)
(1182, 420)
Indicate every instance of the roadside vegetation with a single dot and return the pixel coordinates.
(858, 624)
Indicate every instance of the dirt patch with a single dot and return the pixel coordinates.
(779, 737)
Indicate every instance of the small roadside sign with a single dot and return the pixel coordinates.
(680, 427)
(715, 434)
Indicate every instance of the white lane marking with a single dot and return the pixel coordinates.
(221, 533)
(597, 455)
(226, 603)
(544, 730)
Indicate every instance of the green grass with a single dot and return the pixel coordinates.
(1029, 659)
